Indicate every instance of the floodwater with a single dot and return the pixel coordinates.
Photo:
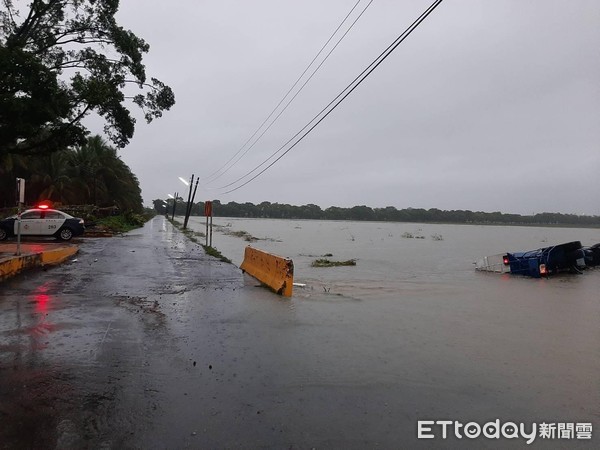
(415, 313)
(388, 258)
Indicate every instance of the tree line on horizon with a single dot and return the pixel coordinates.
(364, 213)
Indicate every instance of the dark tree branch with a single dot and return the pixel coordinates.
(81, 41)
(34, 17)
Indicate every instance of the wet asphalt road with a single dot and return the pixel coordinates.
(146, 342)
(106, 350)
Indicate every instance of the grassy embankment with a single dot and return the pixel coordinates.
(122, 223)
(194, 236)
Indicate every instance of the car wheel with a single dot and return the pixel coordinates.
(65, 234)
(3, 234)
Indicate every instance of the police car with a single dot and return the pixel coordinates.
(43, 221)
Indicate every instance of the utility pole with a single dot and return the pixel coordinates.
(190, 204)
(185, 220)
(208, 213)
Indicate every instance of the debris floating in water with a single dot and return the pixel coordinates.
(327, 263)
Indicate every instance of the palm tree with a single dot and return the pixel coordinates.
(90, 174)
(104, 178)
(87, 161)
(51, 177)
(124, 187)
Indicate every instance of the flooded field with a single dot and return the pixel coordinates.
(390, 257)
(414, 315)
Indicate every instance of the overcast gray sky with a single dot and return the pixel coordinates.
(488, 105)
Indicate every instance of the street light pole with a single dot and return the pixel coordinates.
(174, 205)
(187, 209)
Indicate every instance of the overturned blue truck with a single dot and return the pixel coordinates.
(543, 262)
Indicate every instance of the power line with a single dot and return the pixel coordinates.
(224, 169)
(298, 92)
(335, 102)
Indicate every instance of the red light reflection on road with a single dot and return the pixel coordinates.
(39, 326)
(36, 248)
(41, 298)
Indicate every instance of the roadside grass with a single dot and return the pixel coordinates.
(194, 237)
(216, 253)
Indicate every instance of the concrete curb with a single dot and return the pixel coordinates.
(15, 264)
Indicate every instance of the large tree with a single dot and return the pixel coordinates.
(60, 60)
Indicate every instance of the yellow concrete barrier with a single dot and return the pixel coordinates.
(12, 265)
(56, 256)
(274, 271)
